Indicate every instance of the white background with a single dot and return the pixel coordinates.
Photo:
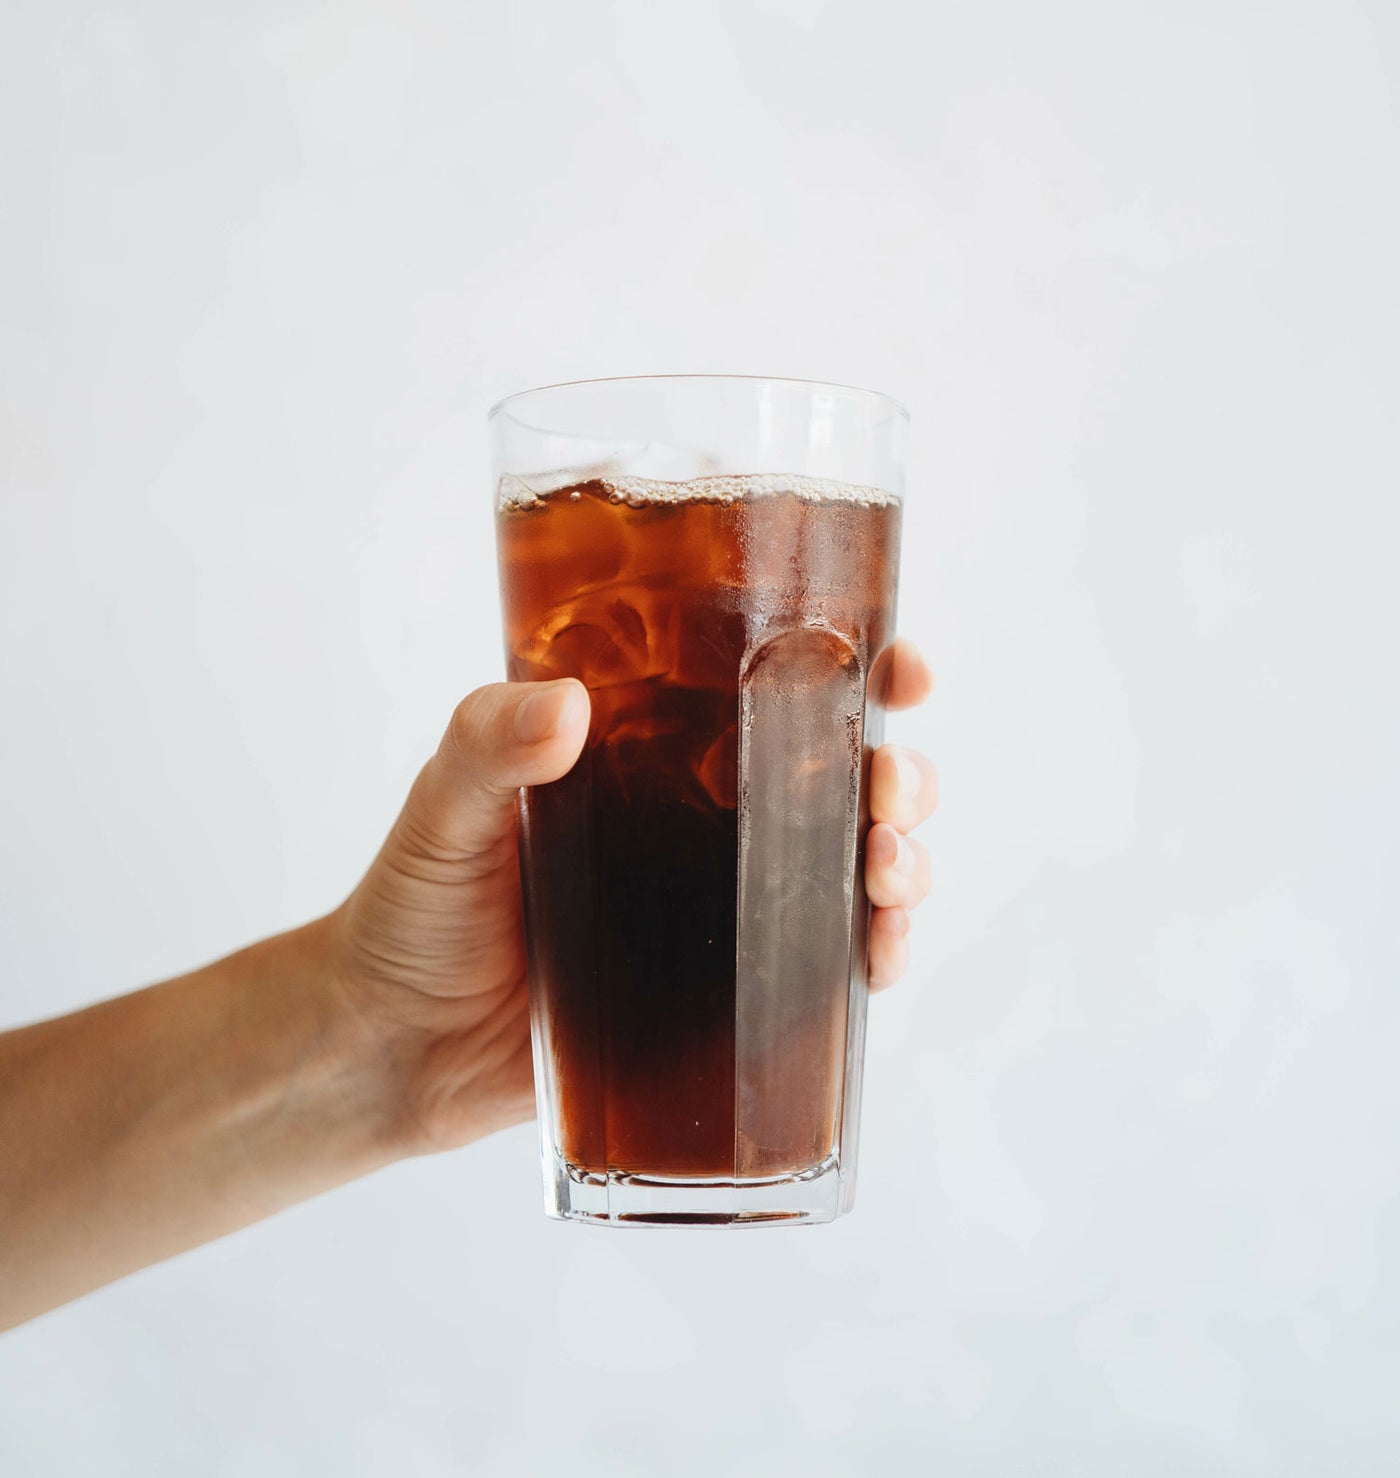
(1129, 1171)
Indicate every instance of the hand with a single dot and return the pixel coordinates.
(429, 948)
(395, 1025)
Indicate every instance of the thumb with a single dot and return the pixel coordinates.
(501, 737)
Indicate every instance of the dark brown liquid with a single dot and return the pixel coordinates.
(693, 921)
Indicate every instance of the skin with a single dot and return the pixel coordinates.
(396, 1025)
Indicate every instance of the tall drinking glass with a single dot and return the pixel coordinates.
(715, 558)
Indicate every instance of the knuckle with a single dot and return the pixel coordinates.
(470, 720)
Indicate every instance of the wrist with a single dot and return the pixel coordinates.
(363, 1062)
(438, 1070)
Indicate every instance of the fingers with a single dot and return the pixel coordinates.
(903, 793)
(900, 678)
(896, 869)
(903, 787)
(501, 737)
(888, 947)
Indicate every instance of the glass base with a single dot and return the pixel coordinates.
(818, 1195)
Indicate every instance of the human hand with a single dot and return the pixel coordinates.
(395, 1025)
(429, 949)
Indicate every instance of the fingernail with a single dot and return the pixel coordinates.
(907, 777)
(540, 713)
(899, 921)
(904, 857)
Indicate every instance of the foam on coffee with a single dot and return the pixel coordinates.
(516, 495)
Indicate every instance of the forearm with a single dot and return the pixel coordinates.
(149, 1124)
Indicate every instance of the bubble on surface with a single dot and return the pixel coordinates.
(515, 495)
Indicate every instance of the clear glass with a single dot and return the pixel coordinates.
(716, 558)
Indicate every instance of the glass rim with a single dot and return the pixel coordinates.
(897, 407)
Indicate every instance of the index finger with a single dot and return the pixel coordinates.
(900, 678)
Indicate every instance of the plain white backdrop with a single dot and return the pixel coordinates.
(1128, 1197)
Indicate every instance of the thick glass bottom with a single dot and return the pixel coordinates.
(810, 1198)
